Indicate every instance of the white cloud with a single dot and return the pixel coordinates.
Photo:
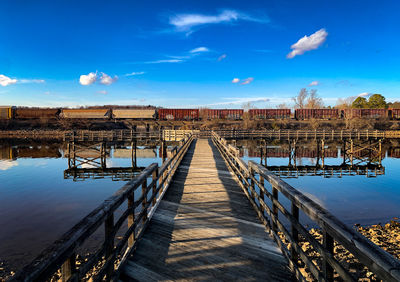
(199, 50)
(31, 81)
(164, 61)
(364, 94)
(104, 92)
(184, 22)
(220, 58)
(314, 83)
(308, 43)
(247, 81)
(235, 80)
(88, 79)
(135, 73)
(106, 79)
(5, 80)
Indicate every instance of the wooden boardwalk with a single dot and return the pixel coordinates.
(205, 229)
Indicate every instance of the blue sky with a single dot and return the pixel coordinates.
(196, 53)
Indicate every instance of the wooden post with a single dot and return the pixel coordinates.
(68, 268)
(329, 245)
(109, 239)
(351, 152)
(155, 176)
(69, 155)
(295, 233)
(131, 218)
(274, 209)
(323, 152)
(144, 203)
(262, 194)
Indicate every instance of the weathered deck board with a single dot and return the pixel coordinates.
(205, 229)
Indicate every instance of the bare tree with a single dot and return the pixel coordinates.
(314, 101)
(247, 106)
(300, 99)
(282, 106)
(345, 103)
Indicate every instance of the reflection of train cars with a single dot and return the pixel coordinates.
(85, 113)
(6, 112)
(301, 114)
(178, 114)
(269, 113)
(7, 152)
(228, 114)
(35, 113)
(134, 114)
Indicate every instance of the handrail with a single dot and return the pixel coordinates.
(62, 253)
(268, 206)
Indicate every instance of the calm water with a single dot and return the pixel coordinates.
(37, 204)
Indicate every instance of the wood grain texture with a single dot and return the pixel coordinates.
(205, 229)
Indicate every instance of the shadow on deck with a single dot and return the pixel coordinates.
(205, 229)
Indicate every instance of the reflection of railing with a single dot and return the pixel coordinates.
(115, 173)
(138, 214)
(266, 202)
(327, 171)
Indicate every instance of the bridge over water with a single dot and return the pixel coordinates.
(205, 214)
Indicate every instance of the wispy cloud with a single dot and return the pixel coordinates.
(308, 43)
(185, 22)
(235, 80)
(103, 92)
(135, 73)
(314, 83)
(199, 50)
(165, 61)
(31, 81)
(364, 94)
(239, 101)
(105, 79)
(247, 81)
(220, 58)
(88, 79)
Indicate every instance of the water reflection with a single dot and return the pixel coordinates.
(320, 158)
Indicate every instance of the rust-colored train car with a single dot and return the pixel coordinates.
(85, 113)
(301, 114)
(269, 113)
(229, 114)
(178, 114)
(365, 113)
(394, 113)
(33, 113)
(6, 112)
(134, 113)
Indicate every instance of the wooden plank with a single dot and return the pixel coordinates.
(206, 229)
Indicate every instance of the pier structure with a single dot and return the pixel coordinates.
(205, 214)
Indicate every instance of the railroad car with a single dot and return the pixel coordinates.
(394, 113)
(269, 113)
(365, 113)
(85, 113)
(134, 114)
(301, 114)
(178, 114)
(35, 113)
(229, 114)
(6, 112)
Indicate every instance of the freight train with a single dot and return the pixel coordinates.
(19, 113)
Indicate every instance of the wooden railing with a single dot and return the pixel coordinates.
(110, 135)
(152, 183)
(264, 191)
(308, 134)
